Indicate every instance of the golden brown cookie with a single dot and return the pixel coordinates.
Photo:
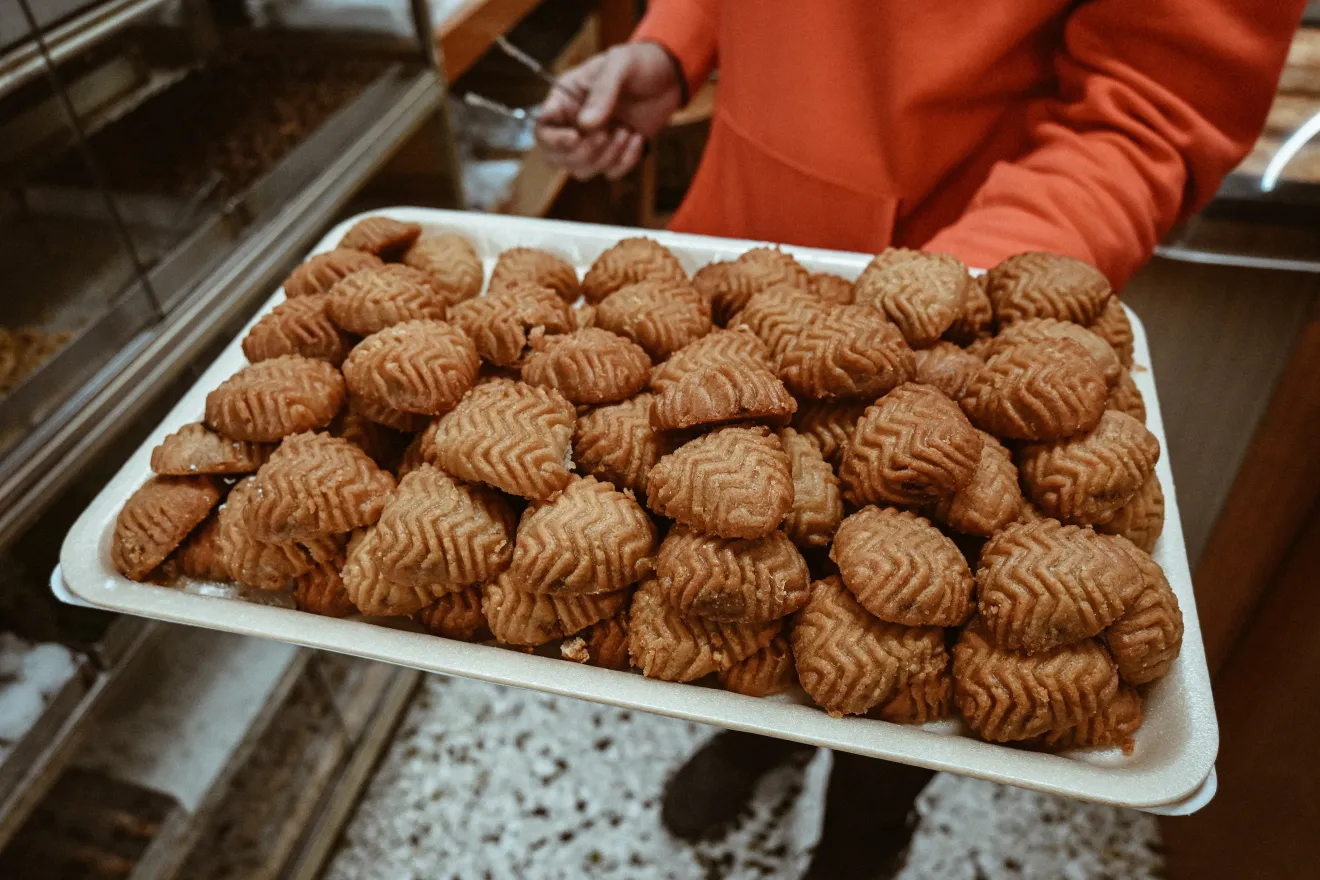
(275, 398)
(456, 615)
(1043, 285)
(926, 696)
(737, 347)
(1146, 640)
(590, 538)
(589, 366)
(156, 519)
(299, 326)
(768, 671)
(975, 320)
(618, 444)
(324, 271)
(603, 644)
(1041, 329)
(193, 450)
(538, 268)
(1037, 391)
(436, 530)
(422, 367)
(754, 271)
(849, 351)
(519, 617)
(902, 569)
(833, 289)
(314, 485)
(509, 435)
(912, 447)
(501, 323)
(922, 293)
(1141, 520)
(375, 594)
(450, 262)
(249, 561)
(373, 299)
(385, 237)
(321, 591)
(200, 556)
(990, 501)
(359, 424)
(776, 315)
(947, 367)
(734, 482)
(628, 262)
(1085, 479)
(1126, 397)
(1113, 725)
(731, 579)
(817, 502)
(711, 278)
(661, 318)
(1114, 327)
(1007, 696)
(722, 394)
(1046, 584)
(665, 644)
(848, 661)
(830, 423)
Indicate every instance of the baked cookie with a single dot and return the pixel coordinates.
(590, 538)
(520, 617)
(1006, 696)
(902, 569)
(1146, 639)
(990, 501)
(199, 555)
(314, 485)
(722, 394)
(768, 671)
(947, 367)
(661, 318)
(500, 324)
(1046, 584)
(617, 443)
(664, 643)
(848, 661)
(738, 347)
(829, 288)
(817, 502)
(1114, 327)
(731, 579)
(776, 315)
(628, 262)
(1043, 285)
(1141, 520)
(373, 299)
(921, 293)
(734, 482)
(1085, 479)
(584, 316)
(603, 644)
(509, 435)
(848, 351)
(323, 271)
(156, 519)
(377, 595)
(1041, 329)
(299, 326)
(926, 696)
(422, 367)
(912, 447)
(252, 562)
(385, 237)
(754, 271)
(272, 399)
(1037, 391)
(1126, 397)
(975, 320)
(450, 262)
(1113, 725)
(383, 443)
(456, 615)
(321, 591)
(589, 366)
(436, 530)
(538, 268)
(830, 423)
(193, 450)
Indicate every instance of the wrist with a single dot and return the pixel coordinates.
(676, 68)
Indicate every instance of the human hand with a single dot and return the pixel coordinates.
(629, 93)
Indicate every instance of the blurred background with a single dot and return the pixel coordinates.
(164, 163)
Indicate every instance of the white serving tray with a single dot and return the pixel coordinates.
(1169, 771)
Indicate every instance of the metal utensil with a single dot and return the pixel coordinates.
(537, 68)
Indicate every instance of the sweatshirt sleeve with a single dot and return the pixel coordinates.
(1155, 103)
(688, 29)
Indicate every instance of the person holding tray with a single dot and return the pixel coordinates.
(978, 129)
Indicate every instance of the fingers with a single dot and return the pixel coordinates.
(628, 157)
(604, 89)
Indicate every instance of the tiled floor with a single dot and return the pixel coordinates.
(485, 781)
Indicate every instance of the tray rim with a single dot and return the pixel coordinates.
(90, 577)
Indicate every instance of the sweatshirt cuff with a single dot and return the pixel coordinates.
(685, 30)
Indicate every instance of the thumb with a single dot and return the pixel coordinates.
(604, 92)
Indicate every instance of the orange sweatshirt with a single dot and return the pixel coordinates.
(977, 128)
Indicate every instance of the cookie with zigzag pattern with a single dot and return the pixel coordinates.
(502, 322)
(299, 326)
(267, 401)
(1147, 638)
(666, 644)
(1141, 520)
(769, 671)
(947, 367)
(536, 267)
(156, 518)
(1114, 327)
(736, 347)
(517, 616)
(194, 450)
(722, 394)
(630, 261)
(923, 294)
(830, 423)
(731, 579)
(617, 443)
(1041, 390)
(661, 318)
(450, 262)
(990, 501)
(590, 366)
(373, 299)
(817, 500)
(456, 615)
(751, 273)
(848, 351)
(422, 367)
(385, 237)
(1042, 329)
(1036, 284)
(323, 271)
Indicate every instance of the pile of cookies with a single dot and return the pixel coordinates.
(914, 494)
